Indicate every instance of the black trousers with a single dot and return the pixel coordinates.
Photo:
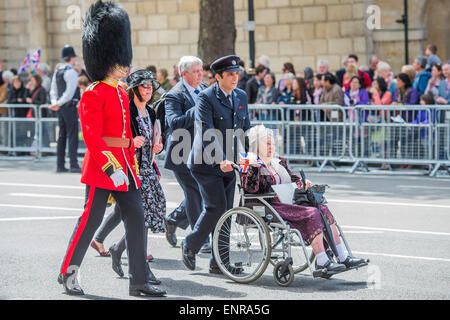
(133, 217)
(110, 223)
(192, 205)
(68, 130)
(218, 196)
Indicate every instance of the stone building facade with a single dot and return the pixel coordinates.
(299, 31)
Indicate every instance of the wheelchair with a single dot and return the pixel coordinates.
(250, 237)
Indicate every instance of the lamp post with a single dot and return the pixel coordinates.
(250, 27)
(404, 21)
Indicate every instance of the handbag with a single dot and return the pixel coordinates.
(311, 198)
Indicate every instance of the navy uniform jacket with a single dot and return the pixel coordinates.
(214, 111)
(179, 114)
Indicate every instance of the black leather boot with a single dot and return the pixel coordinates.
(70, 284)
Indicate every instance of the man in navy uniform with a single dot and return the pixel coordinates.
(179, 116)
(221, 111)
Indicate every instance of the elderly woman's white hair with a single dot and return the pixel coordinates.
(186, 62)
(255, 134)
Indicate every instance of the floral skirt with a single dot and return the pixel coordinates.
(305, 219)
(153, 200)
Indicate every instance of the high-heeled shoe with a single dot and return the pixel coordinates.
(116, 263)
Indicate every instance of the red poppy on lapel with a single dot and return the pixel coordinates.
(240, 107)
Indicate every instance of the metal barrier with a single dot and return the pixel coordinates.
(360, 135)
(407, 135)
(38, 134)
(18, 128)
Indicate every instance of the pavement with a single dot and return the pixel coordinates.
(401, 223)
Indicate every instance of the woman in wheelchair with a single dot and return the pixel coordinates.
(262, 168)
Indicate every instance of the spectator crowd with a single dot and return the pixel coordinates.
(426, 81)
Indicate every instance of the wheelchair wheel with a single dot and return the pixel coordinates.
(283, 279)
(241, 243)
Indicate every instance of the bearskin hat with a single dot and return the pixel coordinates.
(106, 39)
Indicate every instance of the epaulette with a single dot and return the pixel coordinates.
(92, 85)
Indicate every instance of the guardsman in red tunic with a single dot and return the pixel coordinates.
(109, 166)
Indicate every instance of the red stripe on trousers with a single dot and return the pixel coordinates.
(79, 232)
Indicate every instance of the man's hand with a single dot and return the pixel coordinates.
(54, 107)
(139, 141)
(119, 178)
(227, 166)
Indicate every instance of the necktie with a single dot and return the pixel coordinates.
(196, 91)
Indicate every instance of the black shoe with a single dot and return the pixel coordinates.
(61, 170)
(206, 248)
(75, 170)
(352, 262)
(215, 270)
(170, 233)
(233, 270)
(152, 279)
(146, 290)
(116, 263)
(331, 266)
(70, 285)
(188, 257)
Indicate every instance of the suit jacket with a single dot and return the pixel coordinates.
(179, 114)
(214, 111)
(104, 112)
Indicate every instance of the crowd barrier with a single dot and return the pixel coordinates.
(361, 135)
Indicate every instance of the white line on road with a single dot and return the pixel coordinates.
(400, 256)
(39, 207)
(40, 195)
(39, 218)
(398, 230)
(402, 204)
(422, 187)
(11, 184)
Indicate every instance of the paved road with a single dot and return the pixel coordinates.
(401, 223)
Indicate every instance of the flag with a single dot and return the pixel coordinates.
(243, 163)
(25, 64)
(36, 58)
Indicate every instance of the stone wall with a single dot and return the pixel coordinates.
(300, 31)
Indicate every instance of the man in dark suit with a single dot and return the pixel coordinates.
(179, 116)
(254, 83)
(220, 114)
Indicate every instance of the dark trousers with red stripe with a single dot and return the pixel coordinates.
(132, 215)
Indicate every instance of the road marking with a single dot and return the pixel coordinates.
(39, 207)
(401, 256)
(403, 204)
(40, 195)
(10, 184)
(398, 230)
(423, 187)
(38, 218)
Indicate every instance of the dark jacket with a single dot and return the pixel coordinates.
(252, 88)
(13, 96)
(179, 114)
(39, 96)
(134, 114)
(214, 111)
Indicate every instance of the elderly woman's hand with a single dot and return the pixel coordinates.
(308, 184)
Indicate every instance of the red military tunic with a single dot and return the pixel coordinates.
(104, 112)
